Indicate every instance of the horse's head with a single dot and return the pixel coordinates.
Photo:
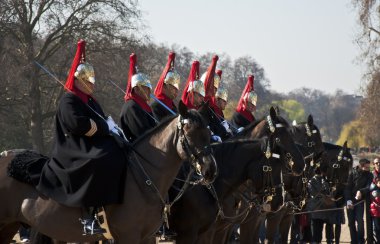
(278, 131)
(308, 135)
(194, 143)
(339, 163)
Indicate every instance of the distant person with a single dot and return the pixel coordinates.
(375, 207)
(376, 168)
(318, 187)
(358, 186)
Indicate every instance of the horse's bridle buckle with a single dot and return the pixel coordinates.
(267, 168)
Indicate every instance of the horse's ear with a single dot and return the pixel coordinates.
(272, 113)
(345, 145)
(310, 120)
(183, 111)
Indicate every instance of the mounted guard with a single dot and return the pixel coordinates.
(166, 90)
(87, 166)
(247, 105)
(136, 115)
(194, 92)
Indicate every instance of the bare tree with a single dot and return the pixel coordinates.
(369, 40)
(42, 28)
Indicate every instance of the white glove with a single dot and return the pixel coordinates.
(349, 204)
(358, 195)
(111, 124)
(226, 126)
(216, 138)
(240, 129)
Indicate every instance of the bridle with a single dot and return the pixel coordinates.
(194, 155)
(272, 129)
(337, 165)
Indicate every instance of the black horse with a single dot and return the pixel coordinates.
(237, 161)
(338, 161)
(308, 136)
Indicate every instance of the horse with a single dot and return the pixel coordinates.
(237, 162)
(338, 161)
(254, 219)
(307, 134)
(149, 176)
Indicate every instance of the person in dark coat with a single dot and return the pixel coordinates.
(166, 90)
(247, 105)
(319, 190)
(136, 115)
(218, 125)
(87, 166)
(194, 92)
(358, 185)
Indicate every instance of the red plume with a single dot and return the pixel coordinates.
(194, 74)
(78, 59)
(159, 87)
(132, 71)
(209, 80)
(240, 107)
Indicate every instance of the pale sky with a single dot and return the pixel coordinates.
(299, 43)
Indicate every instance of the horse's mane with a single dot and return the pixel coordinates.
(193, 115)
(248, 128)
(330, 146)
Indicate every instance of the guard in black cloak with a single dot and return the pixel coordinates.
(166, 90)
(247, 105)
(218, 125)
(87, 167)
(136, 115)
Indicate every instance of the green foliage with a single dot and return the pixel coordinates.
(352, 132)
(289, 109)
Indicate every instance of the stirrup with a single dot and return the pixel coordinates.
(91, 227)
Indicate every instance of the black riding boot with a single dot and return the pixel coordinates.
(90, 222)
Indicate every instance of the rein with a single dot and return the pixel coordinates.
(194, 162)
(267, 194)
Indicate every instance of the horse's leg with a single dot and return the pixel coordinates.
(7, 232)
(249, 230)
(206, 237)
(285, 225)
(150, 240)
(187, 237)
(272, 227)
